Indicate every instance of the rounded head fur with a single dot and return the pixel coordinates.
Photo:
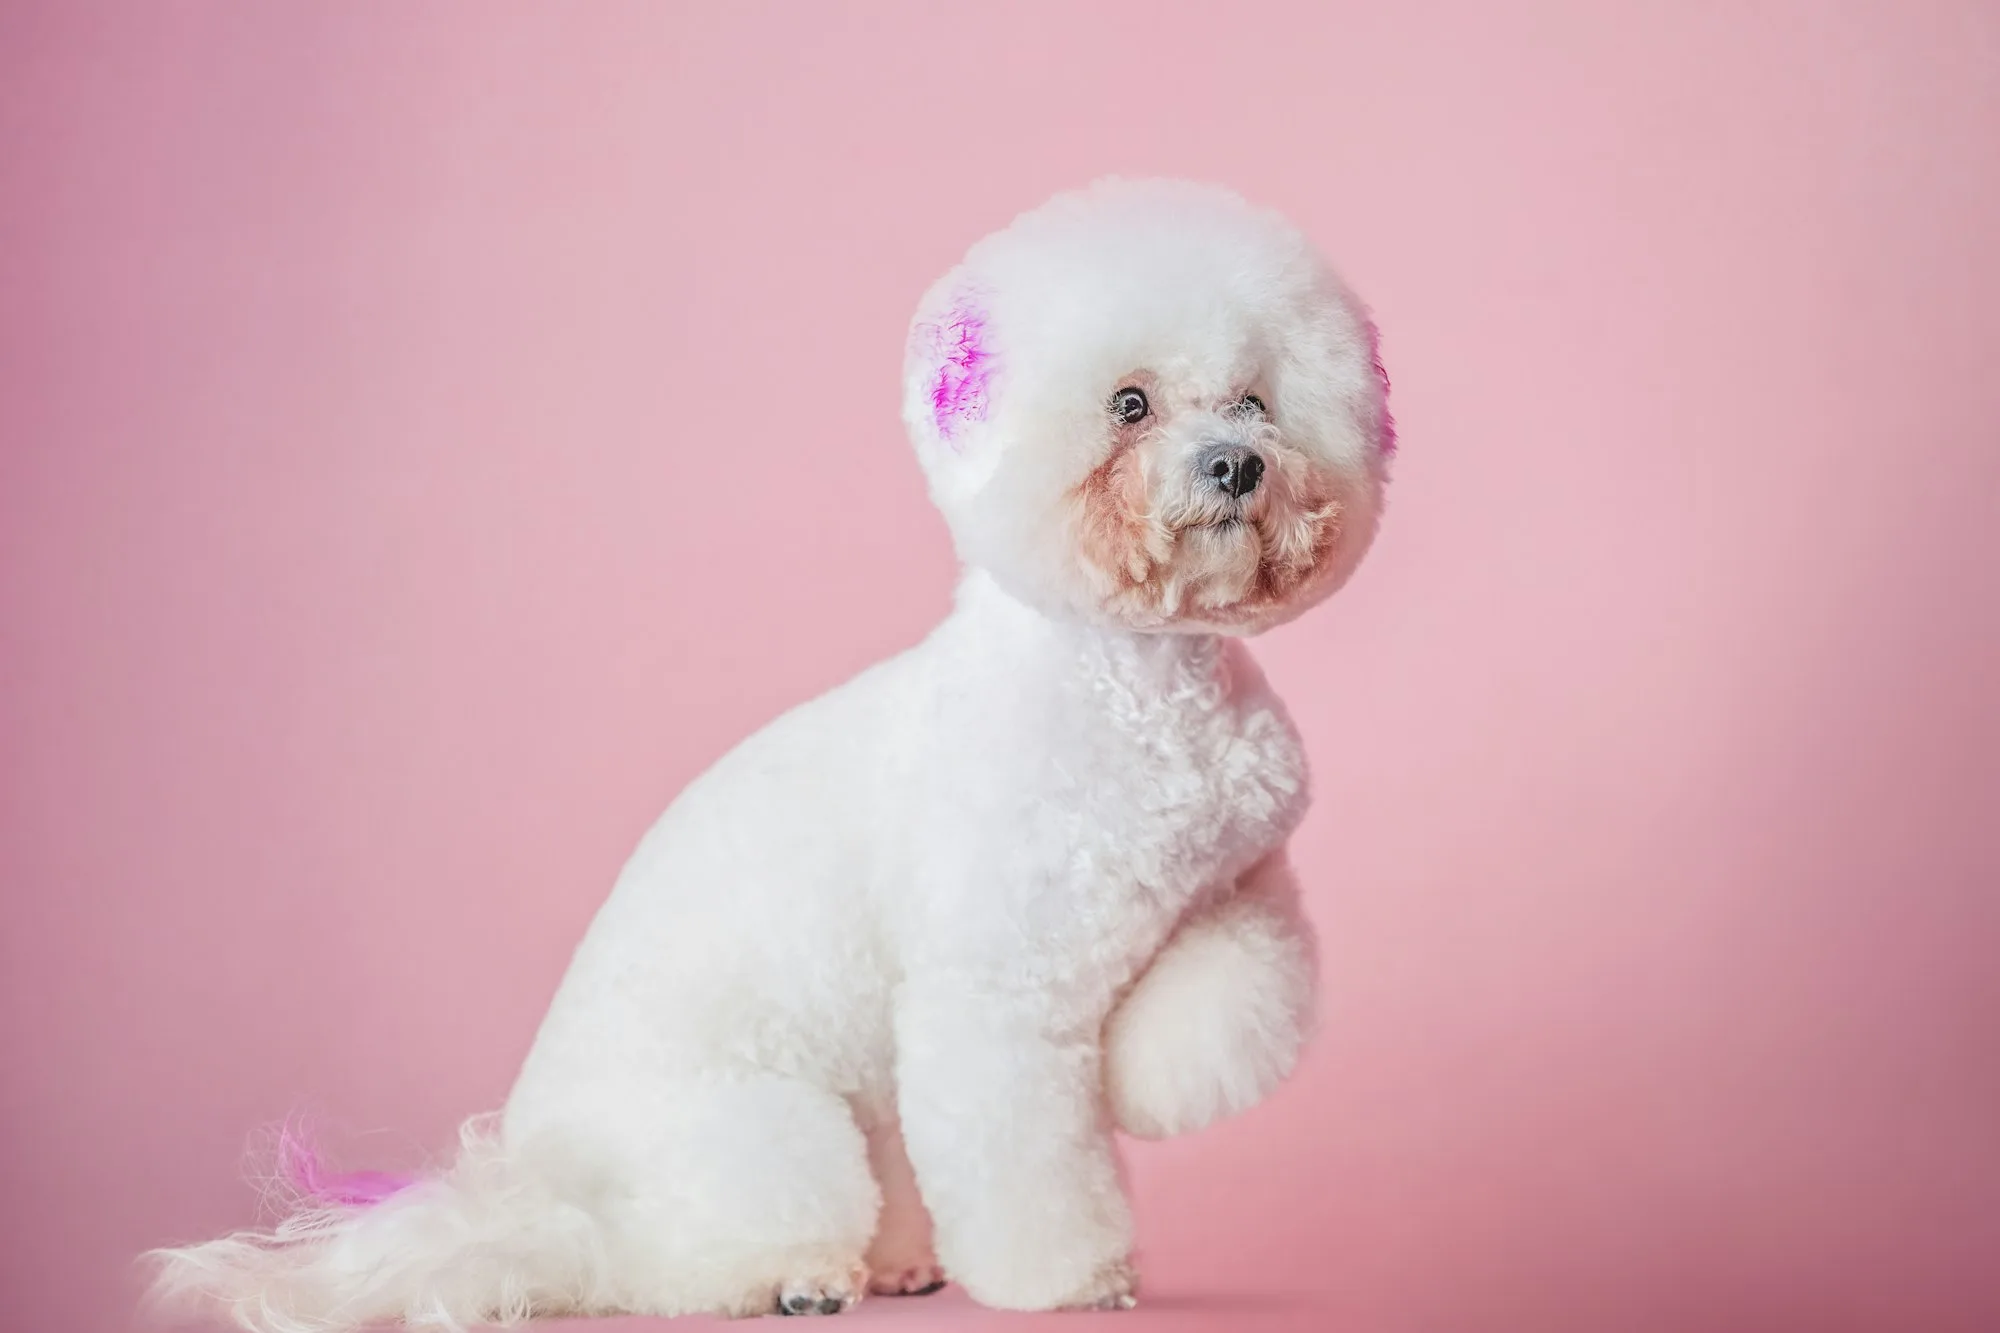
(1149, 404)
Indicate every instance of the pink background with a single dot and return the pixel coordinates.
(433, 433)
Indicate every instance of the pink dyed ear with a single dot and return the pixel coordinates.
(1387, 441)
(956, 347)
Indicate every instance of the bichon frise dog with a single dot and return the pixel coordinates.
(868, 1001)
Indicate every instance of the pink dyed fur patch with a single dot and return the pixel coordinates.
(1387, 442)
(300, 1167)
(964, 369)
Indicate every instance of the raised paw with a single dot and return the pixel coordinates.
(918, 1280)
(823, 1294)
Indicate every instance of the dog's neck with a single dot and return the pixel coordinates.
(1153, 663)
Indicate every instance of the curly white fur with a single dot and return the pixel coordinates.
(861, 1000)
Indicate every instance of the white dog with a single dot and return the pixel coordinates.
(866, 1003)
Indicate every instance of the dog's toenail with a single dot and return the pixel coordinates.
(927, 1290)
(830, 1305)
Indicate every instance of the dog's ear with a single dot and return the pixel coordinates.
(1385, 429)
(951, 373)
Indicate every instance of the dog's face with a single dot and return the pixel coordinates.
(1151, 405)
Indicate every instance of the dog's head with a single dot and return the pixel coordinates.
(1150, 404)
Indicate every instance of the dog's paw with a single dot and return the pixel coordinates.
(1114, 1287)
(823, 1293)
(918, 1280)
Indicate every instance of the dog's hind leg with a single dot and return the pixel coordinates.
(733, 1193)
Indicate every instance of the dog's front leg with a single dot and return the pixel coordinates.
(1217, 1019)
(1000, 1093)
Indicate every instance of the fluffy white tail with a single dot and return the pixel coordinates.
(477, 1244)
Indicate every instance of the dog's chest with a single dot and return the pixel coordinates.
(1076, 800)
(1167, 770)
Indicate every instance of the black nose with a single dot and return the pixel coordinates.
(1232, 468)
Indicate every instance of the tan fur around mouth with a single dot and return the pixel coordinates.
(1133, 553)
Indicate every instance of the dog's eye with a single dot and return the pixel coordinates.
(1250, 402)
(1129, 405)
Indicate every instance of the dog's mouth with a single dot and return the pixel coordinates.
(1224, 526)
(1211, 514)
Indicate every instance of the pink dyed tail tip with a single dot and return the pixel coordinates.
(300, 1167)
